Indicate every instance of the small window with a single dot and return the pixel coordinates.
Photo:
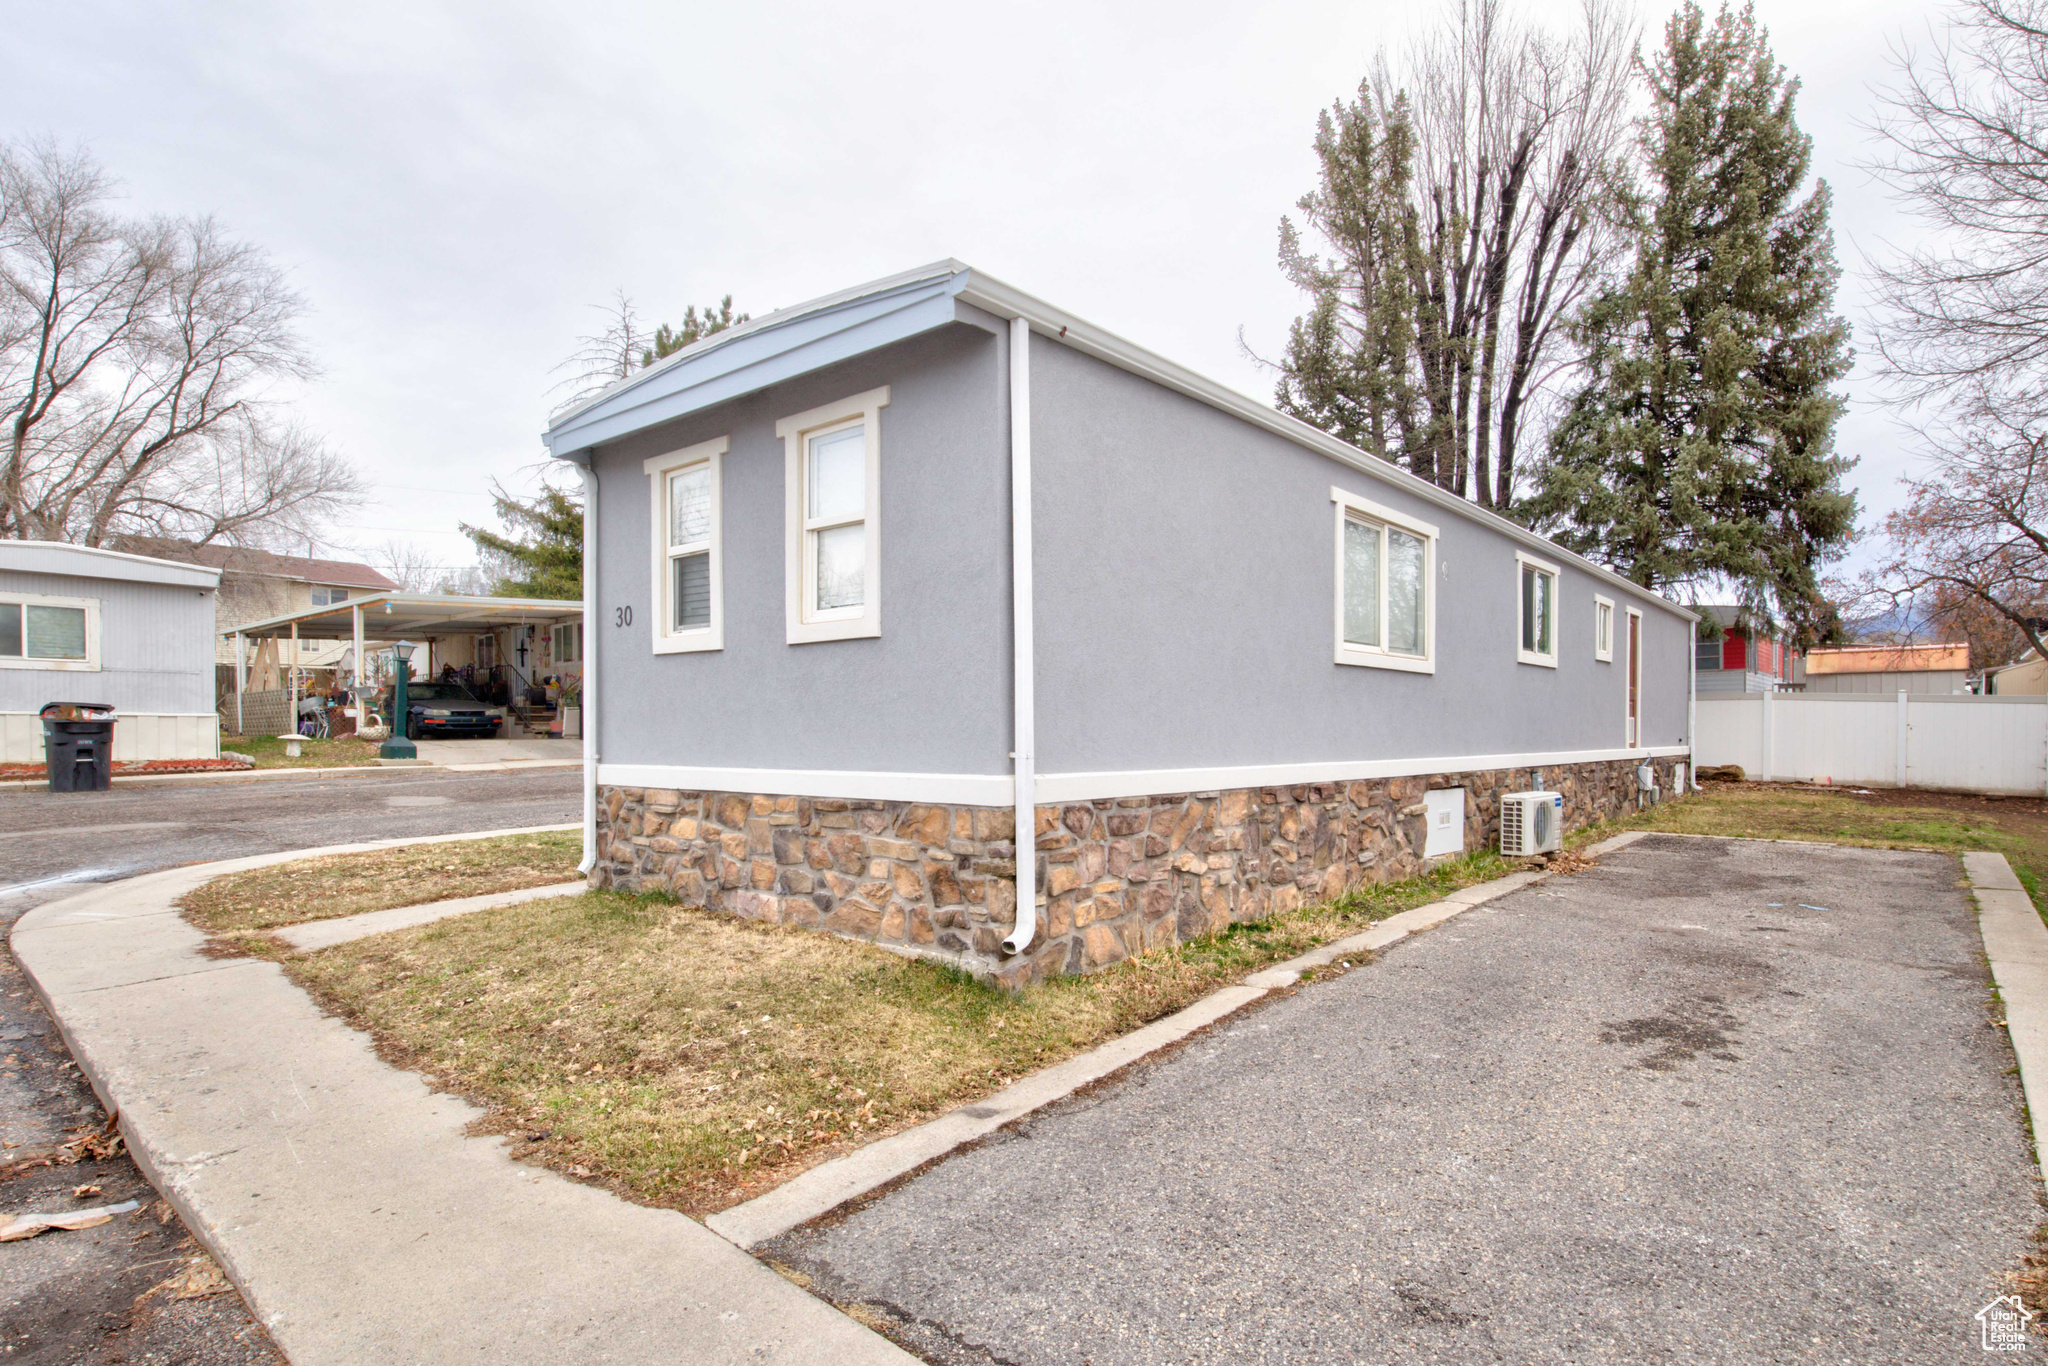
(49, 633)
(568, 643)
(684, 490)
(1537, 612)
(1603, 629)
(833, 483)
(1385, 602)
(329, 597)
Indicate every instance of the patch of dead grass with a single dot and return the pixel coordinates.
(690, 1060)
(379, 880)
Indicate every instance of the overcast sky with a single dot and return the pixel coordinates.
(452, 187)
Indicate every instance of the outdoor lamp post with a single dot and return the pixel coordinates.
(398, 745)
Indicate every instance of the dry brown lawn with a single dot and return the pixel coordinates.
(380, 879)
(691, 1060)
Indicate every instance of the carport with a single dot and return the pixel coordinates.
(509, 637)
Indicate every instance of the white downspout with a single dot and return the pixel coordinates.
(1692, 707)
(589, 665)
(1024, 724)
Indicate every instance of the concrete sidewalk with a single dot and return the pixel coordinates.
(344, 1197)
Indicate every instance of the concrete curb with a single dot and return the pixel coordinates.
(347, 1200)
(2016, 943)
(829, 1185)
(322, 934)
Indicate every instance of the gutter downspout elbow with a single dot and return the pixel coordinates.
(1024, 721)
(589, 687)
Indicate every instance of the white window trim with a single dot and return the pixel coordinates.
(1605, 656)
(555, 654)
(659, 468)
(1369, 657)
(802, 627)
(89, 665)
(1548, 661)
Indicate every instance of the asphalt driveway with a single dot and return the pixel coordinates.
(1712, 1101)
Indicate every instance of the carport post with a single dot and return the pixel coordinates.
(1905, 701)
(294, 720)
(241, 671)
(356, 683)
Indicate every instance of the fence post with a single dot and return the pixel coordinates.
(1904, 703)
(1769, 736)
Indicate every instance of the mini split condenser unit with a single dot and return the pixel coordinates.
(1531, 823)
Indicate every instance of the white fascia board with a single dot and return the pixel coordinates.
(91, 562)
(1006, 302)
(767, 354)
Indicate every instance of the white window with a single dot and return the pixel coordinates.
(1603, 629)
(329, 597)
(833, 483)
(49, 633)
(1386, 599)
(568, 643)
(1536, 611)
(688, 589)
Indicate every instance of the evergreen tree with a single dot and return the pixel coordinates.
(1347, 368)
(1700, 446)
(696, 326)
(542, 556)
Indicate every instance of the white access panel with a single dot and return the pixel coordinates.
(1446, 817)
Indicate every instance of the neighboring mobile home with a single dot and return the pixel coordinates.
(1224, 662)
(85, 625)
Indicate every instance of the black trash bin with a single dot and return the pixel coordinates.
(78, 746)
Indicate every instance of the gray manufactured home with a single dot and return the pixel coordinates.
(870, 576)
(79, 624)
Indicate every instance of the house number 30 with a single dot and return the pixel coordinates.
(622, 616)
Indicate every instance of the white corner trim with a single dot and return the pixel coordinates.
(1603, 655)
(658, 468)
(966, 789)
(999, 789)
(801, 627)
(1367, 656)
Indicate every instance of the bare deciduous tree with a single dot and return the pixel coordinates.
(134, 356)
(1963, 327)
(607, 356)
(1517, 140)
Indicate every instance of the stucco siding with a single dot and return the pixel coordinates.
(156, 648)
(931, 694)
(1185, 614)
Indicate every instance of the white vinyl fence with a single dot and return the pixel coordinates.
(137, 735)
(1966, 744)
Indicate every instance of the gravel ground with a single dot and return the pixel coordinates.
(1641, 1114)
(87, 1298)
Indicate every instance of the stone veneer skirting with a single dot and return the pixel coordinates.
(1116, 877)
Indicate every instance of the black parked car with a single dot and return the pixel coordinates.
(435, 710)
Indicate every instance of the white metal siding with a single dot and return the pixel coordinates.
(140, 735)
(156, 649)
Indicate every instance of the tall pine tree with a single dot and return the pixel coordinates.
(1700, 447)
(540, 554)
(1347, 368)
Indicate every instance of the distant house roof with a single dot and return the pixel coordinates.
(90, 562)
(1888, 659)
(1731, 616)
(808, 337)
(235, 559)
